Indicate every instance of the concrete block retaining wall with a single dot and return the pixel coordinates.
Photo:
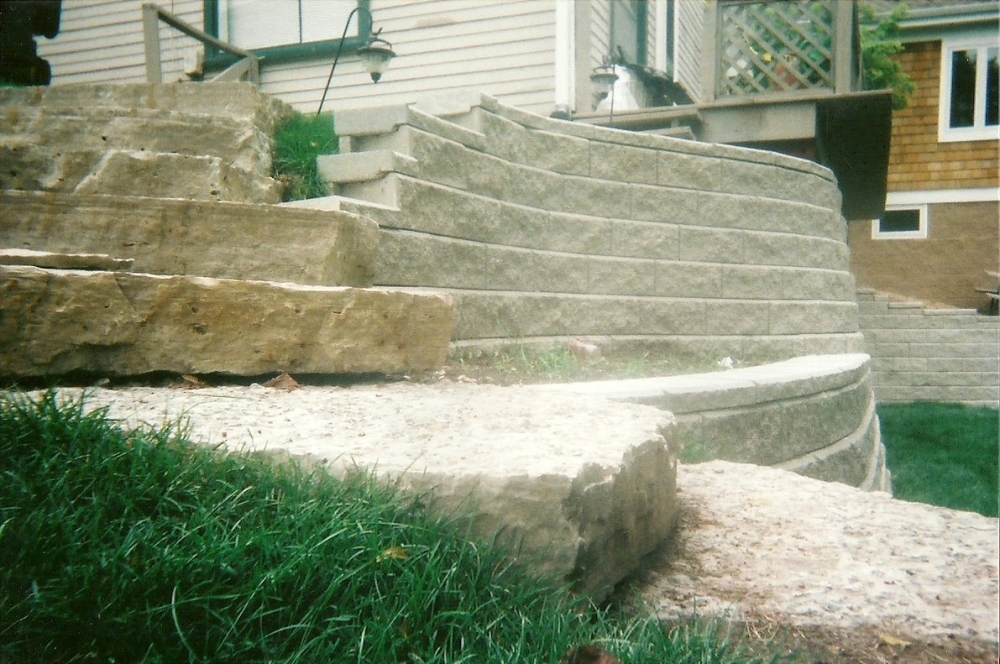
(814, 415)
(545, 230)
(921, 354)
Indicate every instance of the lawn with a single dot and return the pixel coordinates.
(943, 454)
(137, 546)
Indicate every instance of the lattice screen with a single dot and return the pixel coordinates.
(775, 46)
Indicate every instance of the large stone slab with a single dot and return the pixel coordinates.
(203, 238)
(64, 261)
(56, 321)
(584, 487)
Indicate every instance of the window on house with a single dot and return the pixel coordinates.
(628, 30)
(287, 29)
(901, 223)
(970, 87)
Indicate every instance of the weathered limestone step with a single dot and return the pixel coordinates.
(231, 100)
(172, 236)
(64, 261)
(582, 488)
(57, 321)
(205, 142)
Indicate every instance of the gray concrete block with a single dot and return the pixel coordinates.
(686, 279)
(710, 245)
(813, 317)
(662, 204)
(623, 163)
(637, 239)
(621, 276)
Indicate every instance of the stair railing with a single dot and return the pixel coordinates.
(248, 65)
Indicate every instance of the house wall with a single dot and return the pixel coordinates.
(100, 41)
(921, 354)
(954, 179)
(944, 268)
(688, 38)
(504, 48)
(917, 161)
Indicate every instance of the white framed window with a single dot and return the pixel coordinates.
(901, 222)
(970, 89)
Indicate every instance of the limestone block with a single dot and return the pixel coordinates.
(161, 175)
(581, 488)
(173, 236)
(56, 321)
(63, 261)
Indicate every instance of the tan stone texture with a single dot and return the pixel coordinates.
(56, 321)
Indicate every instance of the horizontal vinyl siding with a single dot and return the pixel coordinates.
(690, 22)
(100, 41)
(600, 31)
(505, 49)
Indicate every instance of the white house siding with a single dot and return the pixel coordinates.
(506, 49)
(100, 41)
(690, 19)
(600, 30)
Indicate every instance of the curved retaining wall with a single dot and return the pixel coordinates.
(545, 230)
(814, 415)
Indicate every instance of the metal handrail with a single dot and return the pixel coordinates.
(248, 65)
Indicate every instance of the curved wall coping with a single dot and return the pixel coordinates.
(798, 377)
(430, 110)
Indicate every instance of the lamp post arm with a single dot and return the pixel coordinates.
(336, 58)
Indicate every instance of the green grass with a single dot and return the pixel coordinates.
(943, 454)
(137, 546)
(297, 143)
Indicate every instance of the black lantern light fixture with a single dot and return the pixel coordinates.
(375, 55)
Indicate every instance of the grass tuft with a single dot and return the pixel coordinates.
(943, 454)
(298, 141)
(137, 546)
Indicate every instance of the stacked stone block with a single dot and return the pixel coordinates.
(545, 230)
(922, 354)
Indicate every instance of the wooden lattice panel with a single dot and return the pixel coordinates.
(775, 46)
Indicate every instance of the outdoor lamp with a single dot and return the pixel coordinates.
(375, 55)
(604, 77)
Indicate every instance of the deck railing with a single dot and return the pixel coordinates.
(247, 66)
(753, 47)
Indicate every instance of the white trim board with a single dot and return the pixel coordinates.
(986, 195)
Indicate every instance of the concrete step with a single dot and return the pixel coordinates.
(122, 323)
(197, 238)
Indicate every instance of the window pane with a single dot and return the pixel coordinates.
(992, 83)
(255, 24)
(963, 88)
(324, 20)
(900, 221)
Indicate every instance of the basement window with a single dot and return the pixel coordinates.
(901, 223)
(970, 90)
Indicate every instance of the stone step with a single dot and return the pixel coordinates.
(203, 143)
(64, 261)
(581, 488)
(58, 321)
(197, 238)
